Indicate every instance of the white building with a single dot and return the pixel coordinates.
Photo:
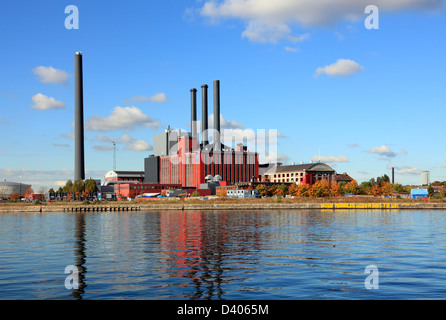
(425, 178)
(7, 188)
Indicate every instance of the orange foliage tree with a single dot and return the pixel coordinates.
(320, 189)
(278, 192)
(28, 193)
(302, 190)
(335, 189)
(293, 190)
(352, 187)
(386, 188)
(14, 197)
(376, 190)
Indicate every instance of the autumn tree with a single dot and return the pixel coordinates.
(14, 197)
(352, 187)
(28, 193)
(335, 189)
(85, 194)
(284, 189)
(320, 189)
(278, 192)
(386, 188)
(262, 189)
(270, 191)
(293, 190)
(302, 190)
(376, 190)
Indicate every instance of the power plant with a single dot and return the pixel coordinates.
(181, 159)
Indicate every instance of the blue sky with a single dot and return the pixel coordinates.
(363, 99)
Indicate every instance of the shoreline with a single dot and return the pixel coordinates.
(219, 205)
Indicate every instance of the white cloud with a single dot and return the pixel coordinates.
(274, 18)
(341, 68)
(330, 159)
(129, 143)
(159, 97)
(102, 148)
(135, 144)
(291, 49)
(272, 157)
(383, 151)
(51, 75)
(228, 124)
(408, 171)
(126, 118)
(43, 102)
(404, 151)
(105, 139)
(67, 135)
(262, 32)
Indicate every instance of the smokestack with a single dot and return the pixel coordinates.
(204, 115)
(393, 174)
(79, 160)
(193, 109)
(217, 144)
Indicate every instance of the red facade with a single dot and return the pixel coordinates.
(189, 167)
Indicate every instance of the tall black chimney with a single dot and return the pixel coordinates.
(204, 115)
(217, 143)
(393, 174)
(79, 159)
(193, 116)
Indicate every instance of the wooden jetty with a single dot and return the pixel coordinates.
(100, 208)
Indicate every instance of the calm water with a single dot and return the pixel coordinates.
(224, 255)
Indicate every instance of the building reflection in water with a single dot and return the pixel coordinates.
(79, 254)
(202, 246)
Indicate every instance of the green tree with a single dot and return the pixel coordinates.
(430, 191)
(91, 186)
(78, 186)
(68, 186)
(398, 187)
(51, 190)
(60, 190)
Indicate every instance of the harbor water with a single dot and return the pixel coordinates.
(271, 254)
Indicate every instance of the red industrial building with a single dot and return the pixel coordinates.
(180, 159)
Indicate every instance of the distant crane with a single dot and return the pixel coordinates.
(114, 155)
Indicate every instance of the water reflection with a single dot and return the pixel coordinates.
(200, 247)
(80, 254)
